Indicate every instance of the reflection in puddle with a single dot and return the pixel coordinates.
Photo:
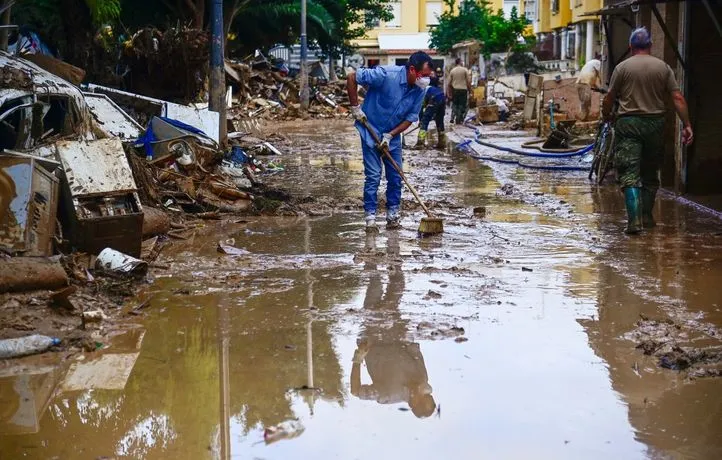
(394, 364)
(316, 344)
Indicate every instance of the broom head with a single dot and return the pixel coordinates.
(431, 226)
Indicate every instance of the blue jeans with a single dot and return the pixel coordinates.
(372, 170)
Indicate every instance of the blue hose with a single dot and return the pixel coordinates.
(577, 153)
(464, 146)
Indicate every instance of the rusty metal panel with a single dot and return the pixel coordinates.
(96, 167)
(28, 206)
(111, 119)
(123, 233)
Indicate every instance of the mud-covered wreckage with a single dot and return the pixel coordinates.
(79, 174)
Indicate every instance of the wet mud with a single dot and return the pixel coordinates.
(535, 329)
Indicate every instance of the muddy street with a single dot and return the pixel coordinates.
(535, 330)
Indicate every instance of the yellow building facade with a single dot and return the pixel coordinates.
(391, 42)
(567, 31)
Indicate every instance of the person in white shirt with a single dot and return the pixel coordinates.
(589, 77)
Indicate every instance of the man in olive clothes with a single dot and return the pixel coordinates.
(642, 85)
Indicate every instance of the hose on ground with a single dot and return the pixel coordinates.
(464, 146)
(552, 153)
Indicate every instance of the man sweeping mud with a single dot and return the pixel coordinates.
(393, 99)
(642, 85)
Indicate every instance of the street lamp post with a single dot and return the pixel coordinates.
(304, 59)
(217, 96)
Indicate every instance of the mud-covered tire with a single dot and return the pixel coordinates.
(606, 155)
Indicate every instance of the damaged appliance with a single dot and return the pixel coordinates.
(29, 191)
(100, 199)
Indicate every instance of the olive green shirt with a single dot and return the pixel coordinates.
(643, 85)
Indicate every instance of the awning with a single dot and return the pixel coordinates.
(419, 41)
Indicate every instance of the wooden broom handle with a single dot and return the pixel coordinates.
(396, 166)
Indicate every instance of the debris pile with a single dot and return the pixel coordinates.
(90, 192)
(263, 89)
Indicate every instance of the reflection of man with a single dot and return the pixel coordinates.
(396, 365)
(642, 85)
(589, 77)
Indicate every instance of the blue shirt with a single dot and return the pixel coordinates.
(389, 101)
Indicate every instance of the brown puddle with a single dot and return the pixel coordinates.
(506, 337)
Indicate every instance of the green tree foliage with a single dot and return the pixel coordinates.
(263, 23)
(103, 11)
(67, 26)
(476, 20)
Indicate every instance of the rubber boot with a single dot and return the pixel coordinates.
(633, 202)
(420, 140)
(441, 144)
(648, 197)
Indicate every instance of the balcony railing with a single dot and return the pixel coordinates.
(558, 64)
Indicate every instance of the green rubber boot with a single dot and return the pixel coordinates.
(420, 140)
(648, 197)
(633, 202)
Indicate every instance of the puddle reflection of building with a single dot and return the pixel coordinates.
(674, 416)
(394, 363)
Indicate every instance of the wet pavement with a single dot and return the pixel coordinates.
(509, 336)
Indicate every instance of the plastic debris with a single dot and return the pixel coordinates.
(112, 261)
(23, 346)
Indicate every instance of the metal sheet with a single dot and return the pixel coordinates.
(111, 119)
(95, 167)
(203, 119)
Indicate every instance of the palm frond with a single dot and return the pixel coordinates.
(103, 11)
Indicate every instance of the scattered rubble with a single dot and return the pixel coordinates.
(86, 174)
(262, 89)
(671, 344)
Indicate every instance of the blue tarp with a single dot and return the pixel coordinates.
(29, 43)
(149, 137)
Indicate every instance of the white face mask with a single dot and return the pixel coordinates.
(423, 82)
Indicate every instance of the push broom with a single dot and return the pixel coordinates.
(429, 225)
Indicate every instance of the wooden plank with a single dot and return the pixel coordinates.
(529, 108)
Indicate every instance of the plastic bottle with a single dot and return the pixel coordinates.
(28, 345)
